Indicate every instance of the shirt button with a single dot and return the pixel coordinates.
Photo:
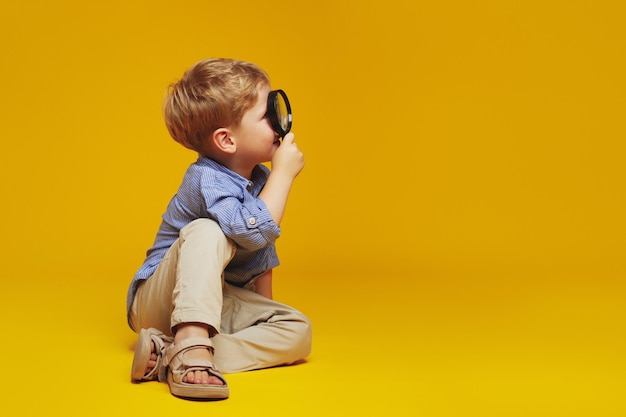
(251, 221)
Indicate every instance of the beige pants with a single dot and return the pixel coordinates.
(254, 332)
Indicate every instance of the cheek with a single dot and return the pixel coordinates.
(269, 132)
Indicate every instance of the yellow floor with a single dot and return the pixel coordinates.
(446, 345)
(457, 234)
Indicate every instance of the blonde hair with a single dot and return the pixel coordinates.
(213, 93)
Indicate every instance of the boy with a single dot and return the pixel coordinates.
(202, 300)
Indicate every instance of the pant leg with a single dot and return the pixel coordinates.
(257, 332)
(187, 285)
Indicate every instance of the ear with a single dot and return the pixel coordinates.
(223, 140)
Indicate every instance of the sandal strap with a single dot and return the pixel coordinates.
(159, 372)
(159, 348)
(191, 343)
(159, 342)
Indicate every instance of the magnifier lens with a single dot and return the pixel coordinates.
(279, 112)
(283, 113)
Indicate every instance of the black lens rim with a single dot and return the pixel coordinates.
(272, 112)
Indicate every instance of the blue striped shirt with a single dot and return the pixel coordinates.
(210, 190)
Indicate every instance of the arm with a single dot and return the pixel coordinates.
(243, 217)
(263, 284)
(287, 163)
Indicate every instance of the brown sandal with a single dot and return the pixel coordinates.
(142, 355)
(179, 366)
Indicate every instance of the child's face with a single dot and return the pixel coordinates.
(256, 140)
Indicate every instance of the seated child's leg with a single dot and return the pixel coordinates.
(184, 296)
(258, 332)
(187, 285)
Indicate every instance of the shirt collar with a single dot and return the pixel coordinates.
(257, 173)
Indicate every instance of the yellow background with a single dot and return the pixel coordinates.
(457, 236)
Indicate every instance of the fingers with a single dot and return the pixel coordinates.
(289, 138)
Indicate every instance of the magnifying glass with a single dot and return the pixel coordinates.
(279, 112)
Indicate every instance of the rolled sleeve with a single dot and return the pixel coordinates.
(256, 228)
(249, 226)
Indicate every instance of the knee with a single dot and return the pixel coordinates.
(207, 231)
(202, 226)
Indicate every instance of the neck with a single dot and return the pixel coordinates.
(244, 171)
(230, 163)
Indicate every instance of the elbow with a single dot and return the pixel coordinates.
(252, 240)
(254, 236)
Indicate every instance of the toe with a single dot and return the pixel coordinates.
(204, 377)
(188, 378)
(213, 380)
(197, 377)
